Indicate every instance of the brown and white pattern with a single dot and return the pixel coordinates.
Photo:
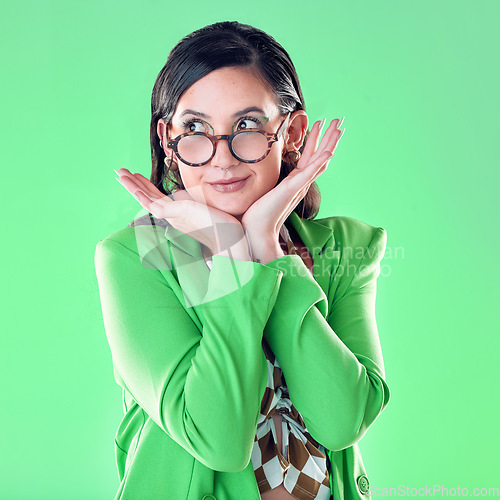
(302, 463)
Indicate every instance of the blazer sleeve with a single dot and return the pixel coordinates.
(331, 360)
(203, 388)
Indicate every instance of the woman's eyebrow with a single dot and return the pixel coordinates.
(193, 112)
(235, 115)
(248, 110)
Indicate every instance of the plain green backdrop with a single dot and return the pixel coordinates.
(418, 85)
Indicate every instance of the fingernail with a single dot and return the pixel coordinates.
(116, 178)
(340, 122)
(322, 124)
(117, 173)
(342, 133)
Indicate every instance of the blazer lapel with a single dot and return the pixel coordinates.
(320, 241)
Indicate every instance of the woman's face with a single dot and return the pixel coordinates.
(224, 101)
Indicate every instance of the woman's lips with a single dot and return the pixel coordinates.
(230, 187)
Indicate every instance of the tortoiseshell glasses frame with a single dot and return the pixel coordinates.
(271, 139)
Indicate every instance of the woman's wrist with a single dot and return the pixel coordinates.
(239, 251)
(264, 258)
(264, 250)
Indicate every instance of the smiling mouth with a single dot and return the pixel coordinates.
(230, 186)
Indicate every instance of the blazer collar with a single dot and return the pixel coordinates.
(314, 234)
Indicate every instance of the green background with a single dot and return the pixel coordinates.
(417, 83)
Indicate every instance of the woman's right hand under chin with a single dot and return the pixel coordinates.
(217, 230)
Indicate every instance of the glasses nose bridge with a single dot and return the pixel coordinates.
(222, 137)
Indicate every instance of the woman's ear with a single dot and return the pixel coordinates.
(162, 129)
(297, 129)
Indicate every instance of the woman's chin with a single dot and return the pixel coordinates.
(235, 209)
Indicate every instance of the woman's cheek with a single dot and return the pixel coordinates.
(193, 184)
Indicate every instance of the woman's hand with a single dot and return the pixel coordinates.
(215, 229)
(263, 220)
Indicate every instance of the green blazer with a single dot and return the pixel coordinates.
(186, 344)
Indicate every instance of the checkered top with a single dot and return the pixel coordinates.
(302, 463)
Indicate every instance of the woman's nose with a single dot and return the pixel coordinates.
(223, 157)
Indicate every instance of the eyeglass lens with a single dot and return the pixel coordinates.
(248, 146)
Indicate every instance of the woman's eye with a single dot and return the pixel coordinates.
(248, 123)
(197, 126)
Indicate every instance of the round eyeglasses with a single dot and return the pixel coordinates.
(248, 146)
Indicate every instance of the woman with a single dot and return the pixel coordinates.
(243, 333)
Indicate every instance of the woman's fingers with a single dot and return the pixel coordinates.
(157, 205)
(140, 182)
(130, 182)
(183, 212)
(147, 184)
(164, 208)
(131, 185)
(312, 150)
(146, 203)
(314, 160)
(310, 146)
(298, 178)
(300, 183)
(152, 199)
(329, 140)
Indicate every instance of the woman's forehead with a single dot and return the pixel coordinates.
(227, 93)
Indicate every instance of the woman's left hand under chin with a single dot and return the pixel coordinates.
(264, 218)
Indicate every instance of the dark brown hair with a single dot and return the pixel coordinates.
(219, 45)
